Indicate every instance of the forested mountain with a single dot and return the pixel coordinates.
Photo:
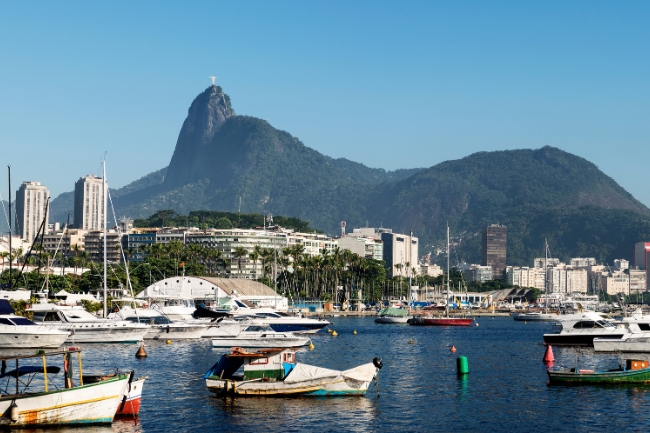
(223, 161)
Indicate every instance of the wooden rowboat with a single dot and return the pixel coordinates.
(635, 371)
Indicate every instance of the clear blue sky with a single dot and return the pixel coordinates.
(390, 84)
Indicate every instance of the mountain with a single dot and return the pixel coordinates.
(228, 162)
(536, 193)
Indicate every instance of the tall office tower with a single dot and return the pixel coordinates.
(89, 203)
(494, 249)
(31, 202)
(641, 258)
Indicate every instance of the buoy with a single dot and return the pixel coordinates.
(475, 323)
(141, 352)
(14, 412)
(453, 349)
(411, 341)
(168, 342)
(311, 346)
(329, 331)
(354, 332)
(462, 365)
(334, 334)
(525, 323)
(548, 355)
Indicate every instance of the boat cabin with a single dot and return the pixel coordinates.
(265, 365)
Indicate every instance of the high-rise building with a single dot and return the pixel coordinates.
(89, 203)
(642, 260)
(31, 206)
(494, 249)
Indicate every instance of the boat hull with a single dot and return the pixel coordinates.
(391, 320)
(599, 377)
(175, 332)
(301, 328)
(542, 317)
(269, 342)
(130, 405)
(89, 404)
(347, 383)
(32, 340)
(109, 334)
(586, 340)
(440, 321)
(630, 345)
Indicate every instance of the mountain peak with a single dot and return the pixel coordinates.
(208, 112)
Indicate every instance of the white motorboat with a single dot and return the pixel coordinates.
(160, 326)
(581, 329)
(18, 332)
(57, 400)
(635, 340)
(84, 327)
(392, 315)
(535, 317)
(260, 336)
(275, 372)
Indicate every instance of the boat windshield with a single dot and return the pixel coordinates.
(258, 328)
(274, 315)
(157, 320)
(584, 324)
(16, 321)
(77, 315)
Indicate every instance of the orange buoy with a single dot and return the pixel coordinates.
(548, 355)
(141, 352)
(453, 349)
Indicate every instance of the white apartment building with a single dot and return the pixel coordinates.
(525, 277)
(576, 280)
(363, 244)
(89, 203)
(580, 262)
(637, 280)
(31, 207)
(617, 282)
(400, 251)
(431, 270)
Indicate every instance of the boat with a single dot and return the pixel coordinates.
(392, 315)
(275, 372)
(446, 320)
(278, 321)
(18, 332)
(84, 327)
(132, 398)
(160, 326)
(535, 317)
(580, 330)
(636, 338)
(35, 403)
(260, 336)
(635, 371)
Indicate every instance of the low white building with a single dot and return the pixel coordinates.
(219, 291)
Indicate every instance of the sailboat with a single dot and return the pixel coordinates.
(538, 316)
(445, 320)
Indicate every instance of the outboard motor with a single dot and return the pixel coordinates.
(377, 363)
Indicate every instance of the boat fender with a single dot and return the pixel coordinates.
(167, 329)
(14, 412)
(377, 363)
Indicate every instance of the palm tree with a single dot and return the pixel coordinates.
(238, 254)
(255, 255)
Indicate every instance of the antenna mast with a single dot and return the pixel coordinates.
(11, 260)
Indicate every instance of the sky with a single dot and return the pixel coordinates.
(391, 84)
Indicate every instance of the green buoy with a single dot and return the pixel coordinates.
(461, 365)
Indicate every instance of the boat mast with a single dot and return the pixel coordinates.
(11, 260)
(448, 276)
(105, 243)
(546, 274)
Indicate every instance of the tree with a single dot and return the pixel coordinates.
(238, 254)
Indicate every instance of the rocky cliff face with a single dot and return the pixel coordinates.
(208, 112)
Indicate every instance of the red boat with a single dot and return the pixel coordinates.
(130, 405)
(440, 321)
